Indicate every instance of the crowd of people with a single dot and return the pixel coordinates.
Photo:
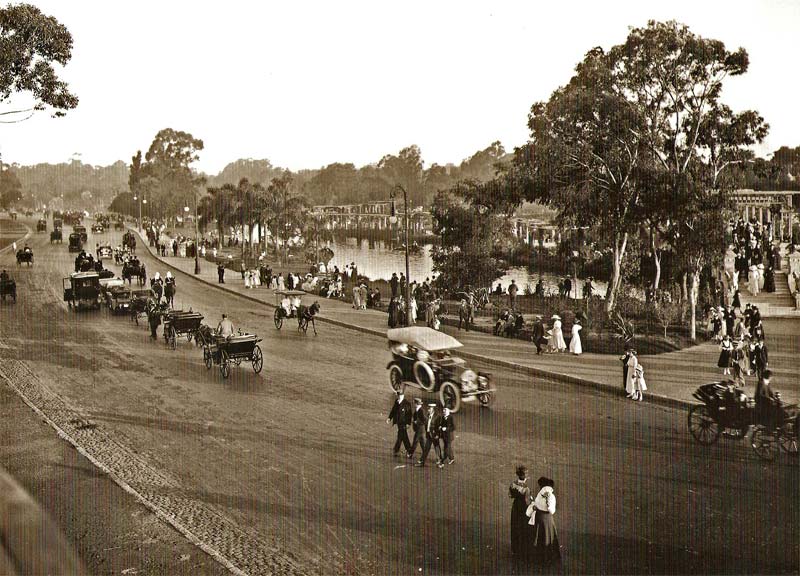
(755, 258)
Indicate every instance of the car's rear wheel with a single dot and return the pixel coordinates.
(486, 398)
(450, 396)
(396, 378)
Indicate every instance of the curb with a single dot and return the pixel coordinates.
(27, 235)
(519, 368)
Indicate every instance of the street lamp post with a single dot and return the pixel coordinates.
(139, 220)
(393, 219)
(196, 244)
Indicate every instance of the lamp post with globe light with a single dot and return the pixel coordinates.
(393, 220)
(196, 241)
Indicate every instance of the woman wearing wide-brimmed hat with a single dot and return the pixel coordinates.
(557, 342)
(546, 549)
(575, 342)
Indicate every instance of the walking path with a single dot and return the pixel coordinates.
(671, 377)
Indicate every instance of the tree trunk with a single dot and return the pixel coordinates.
(616, 275)
(693, 304)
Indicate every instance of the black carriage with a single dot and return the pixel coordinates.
(118, 299)
(179, 323)
(728, 412)
(56, 236)
(57, 222)
(421, 358)
(82, 290)
(139, 299)
(41, 225)
(81, 229)
(287, 302)
(25, 256)
(119, 224)
(8, 288)
(232, 350)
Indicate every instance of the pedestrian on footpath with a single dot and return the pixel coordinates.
(739, 363)
(418, 425)
(393, 284)
(575, 342)
(512, 294)
(725, 350)
(220, 274)
(432, 422)
(633, 362)
(400, 416)
(538, 334)
(639, 385)
(447, 430)
(558, 344)
(520, 493)
(625, 359)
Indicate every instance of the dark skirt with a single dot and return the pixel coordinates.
(724, 359)
(546, 549)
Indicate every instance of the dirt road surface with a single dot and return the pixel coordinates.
(291, 471)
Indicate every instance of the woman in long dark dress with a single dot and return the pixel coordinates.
(546, 549)
(521, 494)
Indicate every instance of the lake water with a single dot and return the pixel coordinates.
(379, 263)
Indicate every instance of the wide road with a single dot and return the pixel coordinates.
(292, 472)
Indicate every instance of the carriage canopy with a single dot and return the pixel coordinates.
(423, 338)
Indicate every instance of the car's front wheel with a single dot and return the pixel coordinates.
(450, 396)
(396, 378)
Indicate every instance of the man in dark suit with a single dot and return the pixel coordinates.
(431, 430)
(538, 334)
(418, 424)
(400, 416)
(447, 429)
(625, 357)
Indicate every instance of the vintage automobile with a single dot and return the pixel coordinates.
(75, 242)
(118, 299)
(421, 358)
(56, 236)
(97, 228)
(82, 290)
(41, 225)
(81, 229)
(105, 252)
(25, 255)
(58, 223)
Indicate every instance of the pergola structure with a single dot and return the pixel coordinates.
(767, 206)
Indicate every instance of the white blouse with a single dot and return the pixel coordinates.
(545, 500)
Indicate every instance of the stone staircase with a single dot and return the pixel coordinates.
(778, 304)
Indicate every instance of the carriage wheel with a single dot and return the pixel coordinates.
(258, 359)
(704, 429)
(450, 396)
(207, 358)
(189, 336)
(765, 443)
(396, 378)
(224, 366)
(788, 437)
(278, 319)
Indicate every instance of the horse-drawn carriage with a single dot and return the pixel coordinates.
(727, 411)
(56, 236)
(421, 358)
(139, 300)
(82, 290)
(289, 304)
(134, 269)
(129, 241)
(179, 323)
(41, 225)
(233, 350)
(119, 224)
(57, 222)
(25, 255)
(8, 287)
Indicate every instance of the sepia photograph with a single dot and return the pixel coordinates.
(399, 288)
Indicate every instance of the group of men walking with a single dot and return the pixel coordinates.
(433, 427)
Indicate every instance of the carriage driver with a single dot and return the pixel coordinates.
(225, 327)
(3, 276)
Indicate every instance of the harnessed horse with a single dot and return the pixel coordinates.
(305, 314)
(169, 291)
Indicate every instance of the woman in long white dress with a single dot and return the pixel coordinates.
(752, 280)
(630, 383)
(558, 335)
(281, 282)
(412, 310)
(575, 343)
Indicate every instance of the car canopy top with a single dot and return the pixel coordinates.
(423, 338)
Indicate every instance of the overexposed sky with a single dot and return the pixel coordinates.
(308, 83)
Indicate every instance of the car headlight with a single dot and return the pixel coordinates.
(468, 377)
(483, 382)
(423, 356)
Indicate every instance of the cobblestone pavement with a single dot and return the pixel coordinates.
(241, 551)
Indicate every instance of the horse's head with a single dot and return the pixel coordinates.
(315, 307)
